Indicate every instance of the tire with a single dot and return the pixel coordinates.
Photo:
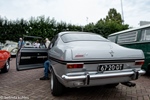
(112, 85)
(6, 67)
(56, 86)
(147, 70)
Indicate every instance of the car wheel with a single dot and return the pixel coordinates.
(6, 67)
(56, 86)
(112, 85)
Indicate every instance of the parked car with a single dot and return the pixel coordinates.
(83, 59)
(1, 45)
(12, 47)
(4, 61)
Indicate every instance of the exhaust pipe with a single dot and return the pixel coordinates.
(129, 84)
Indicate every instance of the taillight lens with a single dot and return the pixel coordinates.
(71, 66)
(139, 62)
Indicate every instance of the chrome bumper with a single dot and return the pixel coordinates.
(133, 74)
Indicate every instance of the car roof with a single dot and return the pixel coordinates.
(77, 32)
(132, 29)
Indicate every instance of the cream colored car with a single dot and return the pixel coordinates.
(12, 47)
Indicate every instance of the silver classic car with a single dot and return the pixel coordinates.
(83, 59)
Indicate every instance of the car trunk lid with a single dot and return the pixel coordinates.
(104, 51)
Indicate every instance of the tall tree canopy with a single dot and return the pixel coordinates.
(112, 23)
(114, 16)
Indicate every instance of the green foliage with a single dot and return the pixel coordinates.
(46, 27)
(112, 23)
(114, 16)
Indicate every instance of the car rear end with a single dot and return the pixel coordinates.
(101, 66)
(101, 73)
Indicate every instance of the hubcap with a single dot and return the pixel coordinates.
(51, 80)
(7, 65)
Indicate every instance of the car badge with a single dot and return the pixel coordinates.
(111, 53)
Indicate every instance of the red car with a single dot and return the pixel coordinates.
(4, 61)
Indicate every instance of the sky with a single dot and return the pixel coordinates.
(78, 12)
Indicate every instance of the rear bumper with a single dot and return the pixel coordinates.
(87, 79)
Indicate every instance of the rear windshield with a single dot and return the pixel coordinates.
(82, 37)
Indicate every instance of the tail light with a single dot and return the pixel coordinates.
(71, 66)
(139, 62)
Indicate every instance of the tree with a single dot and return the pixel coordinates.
(112, 23)
(114, 16)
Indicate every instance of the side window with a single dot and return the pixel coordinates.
(127, 37)
(145, 35)
(53, 42)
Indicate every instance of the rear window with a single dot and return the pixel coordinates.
(82, 37)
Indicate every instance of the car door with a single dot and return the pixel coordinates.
(29, 57)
